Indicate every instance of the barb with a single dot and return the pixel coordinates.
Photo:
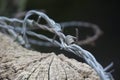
(97, 31)
(66, 42)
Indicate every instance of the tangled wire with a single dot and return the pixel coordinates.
(13, 27)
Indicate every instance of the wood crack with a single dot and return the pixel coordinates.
(49, 68)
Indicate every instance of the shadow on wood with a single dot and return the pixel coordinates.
(18, 63)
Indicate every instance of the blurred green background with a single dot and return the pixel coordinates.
(101, 12)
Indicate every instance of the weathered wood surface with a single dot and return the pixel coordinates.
(18, 63)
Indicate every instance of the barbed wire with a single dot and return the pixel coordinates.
(20, 29)
(89, 40)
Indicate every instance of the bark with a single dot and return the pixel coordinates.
(18, 63)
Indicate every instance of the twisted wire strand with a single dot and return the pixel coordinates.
(55, 28)
(96, 30)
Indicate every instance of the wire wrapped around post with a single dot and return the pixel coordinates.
(22, 28)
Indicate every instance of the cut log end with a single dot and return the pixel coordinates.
(18, 63)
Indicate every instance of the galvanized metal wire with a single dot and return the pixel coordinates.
(20, 29)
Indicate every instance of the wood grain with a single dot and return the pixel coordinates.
(18, 63)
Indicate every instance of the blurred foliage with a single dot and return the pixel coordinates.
(10, 7)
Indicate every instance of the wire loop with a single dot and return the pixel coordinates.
(66, 41)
